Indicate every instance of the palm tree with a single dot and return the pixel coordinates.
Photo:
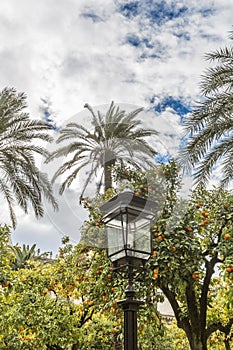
(116, 137)
(21, 182)
(22, 255)
(211, 123)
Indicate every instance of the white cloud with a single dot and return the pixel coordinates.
(50, 49)
(72, 52)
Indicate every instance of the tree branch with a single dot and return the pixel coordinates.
(219, 326)
(182, 322)
(204, 294)
(192, 304)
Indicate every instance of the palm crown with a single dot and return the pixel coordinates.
(25, 254)
(21, 182)
(116, 137)
(211, 123)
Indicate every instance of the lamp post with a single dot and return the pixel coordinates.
(128, 221)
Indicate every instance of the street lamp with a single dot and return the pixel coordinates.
(128, 221)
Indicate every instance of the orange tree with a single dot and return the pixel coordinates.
(70, 303)
(161, 181)
(189, 252)
(48, 306)
(192, 243)
(221, 294)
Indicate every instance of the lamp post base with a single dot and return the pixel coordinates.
(130, 306)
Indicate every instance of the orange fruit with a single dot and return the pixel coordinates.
(199, 205)
(195, 276)
(6, 284)
(227, 236)
(137, 193)
(203, 223)
(205, 214)
(156, 274)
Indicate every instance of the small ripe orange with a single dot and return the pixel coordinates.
(203, 223)
(195, 276)
(227, 236)
(6, 284)
(205, 214)
(199, 205)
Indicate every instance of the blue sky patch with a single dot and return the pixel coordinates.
(90, 15)
(163, 159)
(144, 56)
(157, 12)
(161, 12)
(208, 12)
(176, 104)
(182, 35)
(47, 115)
(131, 9)
(136, 41)
(133, 40)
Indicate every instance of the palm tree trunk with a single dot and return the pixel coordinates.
(109, 162)
(107, 176)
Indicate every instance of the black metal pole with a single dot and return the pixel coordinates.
(130, 306)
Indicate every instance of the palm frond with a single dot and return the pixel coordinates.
(22, 183)
(116, 136)
(210, 126)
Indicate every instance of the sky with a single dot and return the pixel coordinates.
(65, 53)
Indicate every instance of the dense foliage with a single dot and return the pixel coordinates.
(70, 303)
(192, 250)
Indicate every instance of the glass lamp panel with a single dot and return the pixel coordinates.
(139, 236)
(143, 241)
(115, 238)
